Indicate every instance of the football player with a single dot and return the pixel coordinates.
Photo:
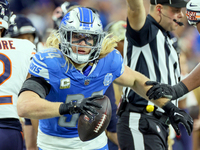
(81, 62)
(22, 28)
(15, 55)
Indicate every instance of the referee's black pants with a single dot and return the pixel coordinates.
(139, 131)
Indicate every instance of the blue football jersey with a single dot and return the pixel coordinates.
(67, 84)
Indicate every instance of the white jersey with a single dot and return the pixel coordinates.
(48, 142)
(15, 56)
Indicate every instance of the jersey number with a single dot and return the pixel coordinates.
(5, 74)
(72, 123)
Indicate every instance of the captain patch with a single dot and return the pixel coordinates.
(65, 83)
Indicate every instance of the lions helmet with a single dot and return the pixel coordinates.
(5, 14)
(82, 22)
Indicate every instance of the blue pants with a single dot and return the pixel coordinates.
(11, 139)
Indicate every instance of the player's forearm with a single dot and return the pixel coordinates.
(32, 106)
(193, 79)
(136, 81)
(141, 88)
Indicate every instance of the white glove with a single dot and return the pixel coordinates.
(193, 12)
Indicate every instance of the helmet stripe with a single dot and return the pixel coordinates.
(81, 17)
(86, 17)
(91, 18)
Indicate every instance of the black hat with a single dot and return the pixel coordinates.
(172, 3)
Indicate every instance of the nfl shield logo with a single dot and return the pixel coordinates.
(87, 82)
(107, 79)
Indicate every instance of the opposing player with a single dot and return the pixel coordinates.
(15, 55)
(81, 63)
(22, 28)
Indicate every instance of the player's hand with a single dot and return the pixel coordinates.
(86, 106)
(177, 116)
(164, 90)
(193, 12)
(160, 90)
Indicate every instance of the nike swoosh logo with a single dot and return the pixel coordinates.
(178, 114)
(192, 5)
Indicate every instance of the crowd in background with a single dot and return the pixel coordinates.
(40, 13)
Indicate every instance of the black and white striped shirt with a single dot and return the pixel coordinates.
(150, 52)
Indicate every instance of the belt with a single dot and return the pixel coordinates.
(162, 117)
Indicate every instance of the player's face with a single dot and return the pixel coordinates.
(27, 36)
(82, 40)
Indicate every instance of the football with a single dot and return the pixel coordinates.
(88, 129)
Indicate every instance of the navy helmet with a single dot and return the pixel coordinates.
(19, 24)
(5, 14)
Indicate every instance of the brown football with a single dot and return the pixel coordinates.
(87, 129)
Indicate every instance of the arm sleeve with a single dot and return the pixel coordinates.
(36, 84)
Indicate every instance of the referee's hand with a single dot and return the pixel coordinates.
(177, 116)
(160, 90)
(164, 90)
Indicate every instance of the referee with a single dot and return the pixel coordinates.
(149, 50)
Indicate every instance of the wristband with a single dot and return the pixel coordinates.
(180, 89)
(64, 109)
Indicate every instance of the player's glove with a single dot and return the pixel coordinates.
(86, 106)
(164, 90)
(177, 116)
(193, 12)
